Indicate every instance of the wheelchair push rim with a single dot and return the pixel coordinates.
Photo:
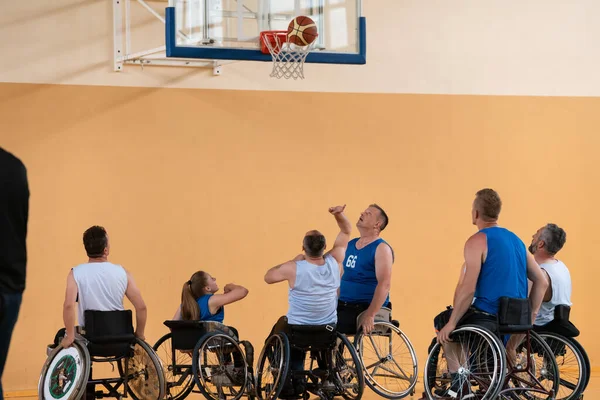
(65, 373)
(146, 380)
(572, 382)
(484, 344)
(281, 348)
(342, 373)
(218, 374)
(384, 363)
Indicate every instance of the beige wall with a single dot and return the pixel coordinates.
(229, 180)
(536, 47)
(184, 182)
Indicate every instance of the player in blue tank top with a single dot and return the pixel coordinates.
(367, 273)
(200, 301)
(496, 265)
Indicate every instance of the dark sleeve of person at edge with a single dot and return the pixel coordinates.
(14, 213)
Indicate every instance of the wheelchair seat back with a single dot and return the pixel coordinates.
(514, 315)
(562, 313)
(312, 337)
(185, 334)
(109, 333)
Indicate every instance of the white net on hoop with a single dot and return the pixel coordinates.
(288, 58)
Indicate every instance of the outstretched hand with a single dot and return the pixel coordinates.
(337, 209)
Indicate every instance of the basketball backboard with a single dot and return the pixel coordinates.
(230, 29)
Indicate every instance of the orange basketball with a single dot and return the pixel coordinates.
(302, 31)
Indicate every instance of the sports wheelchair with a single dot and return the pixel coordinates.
(572, 360)
(108, 337)
(333, 368)
(207, 355)
(387, 356)
(484, 371)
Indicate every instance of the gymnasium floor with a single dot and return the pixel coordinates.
(592, 392)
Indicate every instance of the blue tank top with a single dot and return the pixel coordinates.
(504, 272)
(359, 280)
(205, 314)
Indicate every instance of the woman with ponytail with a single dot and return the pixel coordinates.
(199, 302)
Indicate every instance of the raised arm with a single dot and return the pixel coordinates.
(232, 293)
(69, 311)
(338, 250)
(281, 272)
(141, 313)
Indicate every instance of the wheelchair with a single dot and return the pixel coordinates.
(108, 337)
(333, 368)
(204, 355)
(484, 372)
(388, 357)
(572, 360)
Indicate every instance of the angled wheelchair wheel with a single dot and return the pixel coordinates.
(273, 367)
(144, 373)
(479, 360)
(177, 368)
(586, 361)
(214, 369)
(65, 373)
(571, 366)
(535, 374)
(389, 360)
(347, 369)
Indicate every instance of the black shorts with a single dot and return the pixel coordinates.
(473, 316)
(476, 317)
(347, 313)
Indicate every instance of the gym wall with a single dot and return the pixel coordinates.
(185, 177)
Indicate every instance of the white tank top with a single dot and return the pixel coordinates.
(313, 299)
(101, 286)
(561, 291)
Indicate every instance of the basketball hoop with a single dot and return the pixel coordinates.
(288, 58)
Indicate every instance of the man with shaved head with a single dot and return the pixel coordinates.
(314, 279)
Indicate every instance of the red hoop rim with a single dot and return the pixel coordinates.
(270, 36)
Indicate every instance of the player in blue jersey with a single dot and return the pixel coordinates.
(497, 264)
(367, 273)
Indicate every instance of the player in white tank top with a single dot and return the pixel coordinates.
(314, 277)
(546, 243)
(314, 280)
(99, 285)
(313, 299)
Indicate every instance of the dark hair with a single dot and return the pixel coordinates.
(384, 216)
(95, 241)
(554, 238)
(191, 291)
(314, 244)
(488, 203)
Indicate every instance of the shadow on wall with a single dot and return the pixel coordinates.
(92, 108)
(50, 12)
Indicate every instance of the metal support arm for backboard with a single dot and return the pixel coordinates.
(155, 56)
